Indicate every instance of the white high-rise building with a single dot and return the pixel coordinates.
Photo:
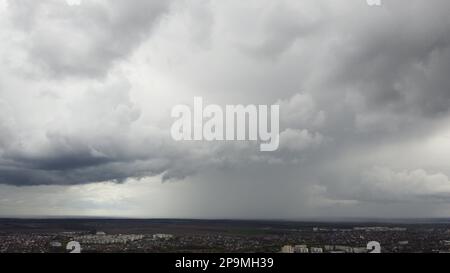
(162, 236)
(287, 249)
(316, 250)
(301, 249)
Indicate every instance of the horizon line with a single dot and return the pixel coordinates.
(306, 219)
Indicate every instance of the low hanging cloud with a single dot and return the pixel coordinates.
(86, 92)
(113, 147)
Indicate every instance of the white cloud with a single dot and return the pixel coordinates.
(74, 2)
(3, 5)
(87, 40)
(381, 183)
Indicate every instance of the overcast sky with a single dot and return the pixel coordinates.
(87, 87)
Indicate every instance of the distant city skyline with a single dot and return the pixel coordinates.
(199, 236)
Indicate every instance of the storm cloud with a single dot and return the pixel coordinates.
(86, 92)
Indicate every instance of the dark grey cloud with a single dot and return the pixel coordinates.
(398, 65)
(86, 93)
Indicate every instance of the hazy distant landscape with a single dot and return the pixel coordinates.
(231, 236)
